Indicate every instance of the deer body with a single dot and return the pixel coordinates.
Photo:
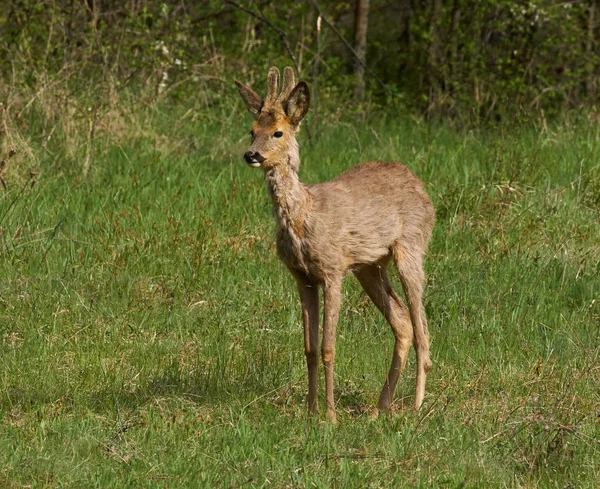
(334, 227)
(371, 214)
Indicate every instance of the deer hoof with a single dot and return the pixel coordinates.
(330, 416)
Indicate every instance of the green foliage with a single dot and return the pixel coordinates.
(485, 60)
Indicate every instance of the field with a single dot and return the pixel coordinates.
(150, 338)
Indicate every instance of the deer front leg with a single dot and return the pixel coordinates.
(332, 299)
(309, 297)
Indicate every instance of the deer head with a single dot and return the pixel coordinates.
(278, 118)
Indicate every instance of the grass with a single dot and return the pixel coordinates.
(150, 338)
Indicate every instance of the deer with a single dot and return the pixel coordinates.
(372, 214)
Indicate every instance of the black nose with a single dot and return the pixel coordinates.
(251, 157)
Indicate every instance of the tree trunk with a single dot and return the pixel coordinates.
(452, 74)
(433, 60)
(315, 82)
(589, 51)
(360, 46)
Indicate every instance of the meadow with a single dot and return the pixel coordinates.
(149, 337)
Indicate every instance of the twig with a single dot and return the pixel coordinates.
(350, 48)
(44, 88)
(15, 200)
(3, 163)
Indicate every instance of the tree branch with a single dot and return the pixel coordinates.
(278, 30)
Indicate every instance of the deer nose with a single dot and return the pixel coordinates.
(251, 157)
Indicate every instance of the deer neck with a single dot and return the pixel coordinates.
(291, 200)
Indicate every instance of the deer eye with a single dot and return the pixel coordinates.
(277, 134)
(251, 134)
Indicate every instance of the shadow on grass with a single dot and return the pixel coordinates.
(237, 388)
(241, 391)
(199, 388)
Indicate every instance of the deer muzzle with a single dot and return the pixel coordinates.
(254, 159)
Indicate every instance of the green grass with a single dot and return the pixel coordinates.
(150, 338)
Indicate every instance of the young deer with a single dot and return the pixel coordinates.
(369, 215)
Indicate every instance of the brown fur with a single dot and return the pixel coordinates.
(370, 215)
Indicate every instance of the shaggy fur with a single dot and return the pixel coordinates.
(373, 213)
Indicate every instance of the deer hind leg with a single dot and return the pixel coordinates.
(309, 297)
(332, 293)
(410, 268)
(375, 282)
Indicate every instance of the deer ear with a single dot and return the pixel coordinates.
(297, 104)
(250, 98)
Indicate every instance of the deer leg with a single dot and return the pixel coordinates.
(332, 292)
(309, 297)
(375, 282)
(410, 268)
